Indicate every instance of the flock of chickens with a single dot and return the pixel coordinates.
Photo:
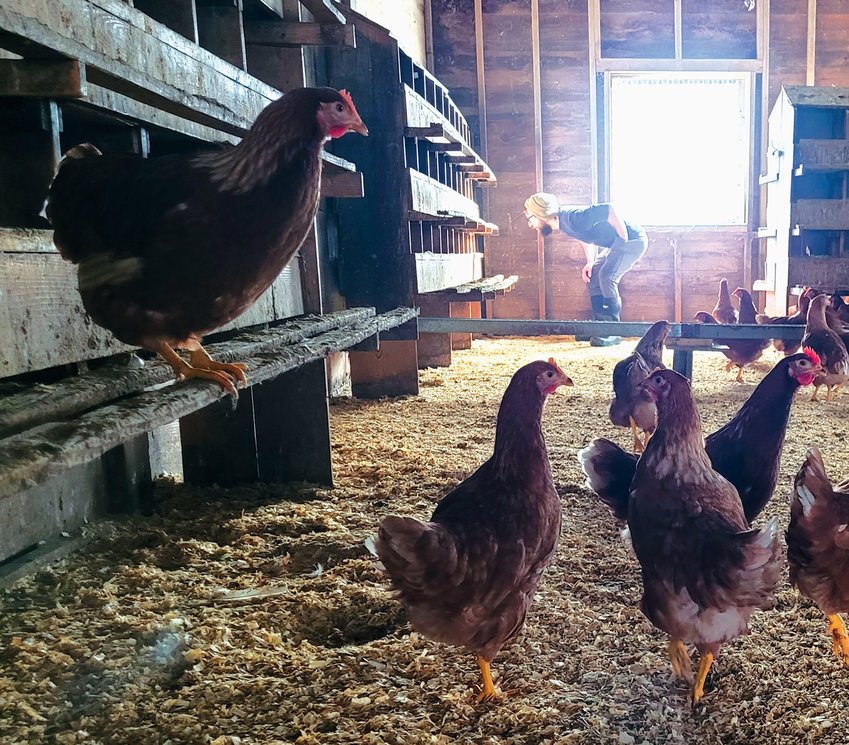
(468, 575)
(826, 322)
(154, 243)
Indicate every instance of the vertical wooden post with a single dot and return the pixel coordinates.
(811, 64)
(538, 164)
(462, 340)
(292, 421)
(129, 483)
(391, 371)
(219, 443)
(677, 279)
(678, 30)
(434, 349)
(594, 44)
(481, 70)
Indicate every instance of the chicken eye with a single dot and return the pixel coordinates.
(803, 363)
(658, 380)
(340, 108)
(549, 374)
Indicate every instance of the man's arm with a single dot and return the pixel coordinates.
(617, 223)
(590, 251)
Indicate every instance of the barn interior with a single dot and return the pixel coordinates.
(179, 564)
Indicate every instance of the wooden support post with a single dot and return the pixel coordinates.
(391, 371)
(461, 340)
(434, 350)
(220, 31)
(811, 65)
(29, 153)
(682, 362)
(129, 483)
(677, 278)
(293, 426)
(538, 164)
(219, 443)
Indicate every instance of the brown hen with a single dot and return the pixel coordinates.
(468, 575)
(173, 247)
(704, 571)
(829, 346)
(724, 311)
(818, 545)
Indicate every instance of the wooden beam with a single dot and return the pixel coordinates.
(536, 73)
(324, 11)
(594, 55)
(42, 78)
(811, 63)
(428, 30)
(290, 34)
(677, 278)
(481, 74)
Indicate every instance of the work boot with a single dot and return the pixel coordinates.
(595, 301)
(605, 341)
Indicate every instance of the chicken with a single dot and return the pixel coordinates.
(830, 348)
(742, 352)
(704, 571)
(724, 311)
(628, 407)
(704, 317)
(170, 248)
(468, 576)
(746, 450)
(796, 318)
(818, 545)
(840, 307)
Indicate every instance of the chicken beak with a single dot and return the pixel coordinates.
(359, 127)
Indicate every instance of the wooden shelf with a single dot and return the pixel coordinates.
(431, 201)
(819, 214)
(827, 273)
(461, 223)
(821, 156)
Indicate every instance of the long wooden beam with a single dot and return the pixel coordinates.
(481, 76)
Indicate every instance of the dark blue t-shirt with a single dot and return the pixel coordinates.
(590, 225)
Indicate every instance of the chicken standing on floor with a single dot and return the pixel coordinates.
(629, 407)
(704, 571)
(742, 352)
(746, 451)
(828, 345)
(469, 575)
(796, 318)
(170, 248)
(818, 545)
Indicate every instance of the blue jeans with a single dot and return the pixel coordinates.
(610, 266)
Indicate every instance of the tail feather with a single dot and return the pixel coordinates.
(763, 569)
(811, 480)
(609, 470)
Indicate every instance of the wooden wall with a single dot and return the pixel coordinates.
(404, 18)
(682, 263)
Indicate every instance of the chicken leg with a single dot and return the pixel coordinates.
(739, 373)
(202, 366)
(839, 637)
(489, 692)
(639, 446)
(682, 666)
(699, 685)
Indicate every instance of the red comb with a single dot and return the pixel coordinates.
(348, 100)
(812, 355)
(552, 361)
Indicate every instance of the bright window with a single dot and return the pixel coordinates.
(679, 147)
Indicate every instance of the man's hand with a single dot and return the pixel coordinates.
(587, 272)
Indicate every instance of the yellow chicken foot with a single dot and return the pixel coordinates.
(200, 359)
(489, 692)
(739, 374)
(646, 438)
(699, 685)
(638, 443)
(728, 366)
(680, 659)
(184, 371)
(816, 390)
(839, 638)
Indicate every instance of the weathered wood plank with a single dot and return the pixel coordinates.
(820, 214)
(43, 403)
(290, 34)
(40, 453)
(128, 52)
(430, 199)
(42, 78)
(220, 31)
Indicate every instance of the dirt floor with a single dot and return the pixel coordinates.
(255, 615)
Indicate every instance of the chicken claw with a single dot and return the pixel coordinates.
(184, 371)
(489, 692)
(682, 666)
(839, 638)
(699, 685)
(200, 359)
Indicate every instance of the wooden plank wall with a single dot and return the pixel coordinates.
(629, 29)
